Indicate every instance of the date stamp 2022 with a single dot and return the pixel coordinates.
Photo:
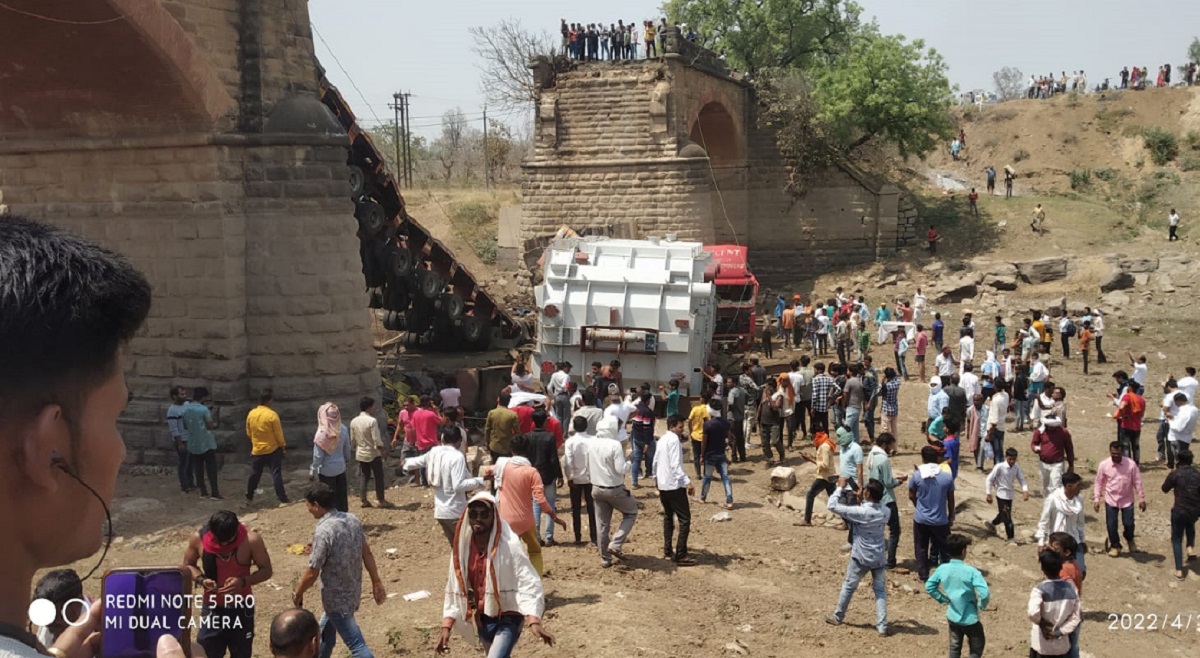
(1153, 621)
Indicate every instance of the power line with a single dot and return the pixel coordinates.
(60, 20)
(345, 72)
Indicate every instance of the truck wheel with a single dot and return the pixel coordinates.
(477, 332)
(358, 182)
(400, 260)
(430, 284)
(452, 305)
(371, 217)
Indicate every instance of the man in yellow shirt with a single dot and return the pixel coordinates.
(267, 447)
(695, 424)
(501, 426)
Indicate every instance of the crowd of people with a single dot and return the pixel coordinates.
(1048, 86)
(594, 435)
(617, 41)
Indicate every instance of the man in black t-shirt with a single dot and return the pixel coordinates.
(712, 452)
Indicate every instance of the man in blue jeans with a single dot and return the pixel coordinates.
(339, 553)
(712, 450)
(493, 590)
(869, 552)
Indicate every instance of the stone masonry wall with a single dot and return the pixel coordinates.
(250, 289)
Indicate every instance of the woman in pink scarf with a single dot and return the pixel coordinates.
(332, 452)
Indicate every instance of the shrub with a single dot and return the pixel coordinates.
(1080, 178)
(1105, 174)
(1190, 163)
(1193, 140)
(1073, 99)
(1162, 144)
(473, 214)
(1107, 119)
(1166, 177)
(1020, 155)
(486, 248)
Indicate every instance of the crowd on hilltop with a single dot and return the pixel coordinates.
(1046, 86)
(618, 41)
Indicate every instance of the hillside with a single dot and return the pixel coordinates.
(1046, 140)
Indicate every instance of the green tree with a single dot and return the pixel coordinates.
(888, 89)
(1194, 51)
(758, 35)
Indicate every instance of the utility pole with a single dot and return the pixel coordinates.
(408, 155)
(487, 164)
(396, 130)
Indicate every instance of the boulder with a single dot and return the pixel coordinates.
(1141, 278)
(1117, 279)
(1139, 265)
(1164, 282)
(1115, 300)
(1000, 281)
(1043, 270)
(783, 478)
(954, 288)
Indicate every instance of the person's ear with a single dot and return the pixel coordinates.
(314, 645)
(42, 439)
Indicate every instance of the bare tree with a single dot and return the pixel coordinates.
(1010, 83)
(506, 49)
(449, 145)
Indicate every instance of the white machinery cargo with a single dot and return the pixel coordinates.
(643, 302)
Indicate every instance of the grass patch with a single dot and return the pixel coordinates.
(1162, 144)
(1192, 139)
(1166, 177)
(1109, 118)
(477, 223)
(1105, 174)
(1190, 163)
(1073, 99)
(1021, 154)
(962, 233)
(1080, 178)
(1002, 114)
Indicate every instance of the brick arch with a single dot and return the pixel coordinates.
(92, 77)
(716, 130)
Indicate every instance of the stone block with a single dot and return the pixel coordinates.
(783, 478)
(1043, 270)
(1117, 279)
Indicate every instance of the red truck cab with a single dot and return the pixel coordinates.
(737, 292)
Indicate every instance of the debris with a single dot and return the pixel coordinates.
(746, 628)
(298, 549)
(417, 596)
(721, 516)
(738, 647)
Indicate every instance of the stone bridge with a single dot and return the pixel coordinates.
(651, 147)
(187, 135)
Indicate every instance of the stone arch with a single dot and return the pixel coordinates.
(73, 70)
(716, 131)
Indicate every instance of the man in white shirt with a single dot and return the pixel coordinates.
(1098, 334)
(945, 365)
(1182, 426)
(558, 390)
(607, 468)
(674, 488)
(1000, 480)
(1139, 370)
(997, 414)
(621, 410)
(589, 412)
(966, 349)
(450, 479)
(1062, 511)
(575, 470)
(919, 304)
(1188, 384)
(1173, 226)
(969, 381)
(369, 451)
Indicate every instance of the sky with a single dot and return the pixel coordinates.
(373, 48)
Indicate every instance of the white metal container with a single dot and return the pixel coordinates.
(643, 302)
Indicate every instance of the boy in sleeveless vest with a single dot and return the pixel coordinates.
(226, 560)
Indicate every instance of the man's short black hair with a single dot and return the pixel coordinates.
(874, 490)
(366, 402)
(266, 396)
(579, 424)
(1051, 564)
(451, 436)
(1071, 478)
(199, 393)
(519, 445)
(1065, 541)
(67, 306)
(1010, 452)
(177, 390)
(957, 545)
(59, 586)
(930, 455)
(1183, 457)
(292, 630)
(223, 525)
(539, 417)
(505, 398)
(321, 495)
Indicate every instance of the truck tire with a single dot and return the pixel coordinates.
(476, 332)
(358, 182)
(396, 298)
(400, 261)
(429, 284)
(391, 321)
(371, 217)
(452, 305)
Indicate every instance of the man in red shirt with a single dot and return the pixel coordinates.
(524, 418)
(425, 423)
(1130, 409)
(933, 238)
(973, 199)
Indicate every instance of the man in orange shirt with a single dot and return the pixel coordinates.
(1085, 342)
(520, 484)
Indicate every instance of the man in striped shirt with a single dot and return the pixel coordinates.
(824, 390)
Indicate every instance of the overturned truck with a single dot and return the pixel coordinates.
(410, 275)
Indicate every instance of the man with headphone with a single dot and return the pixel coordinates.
(67, 308)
